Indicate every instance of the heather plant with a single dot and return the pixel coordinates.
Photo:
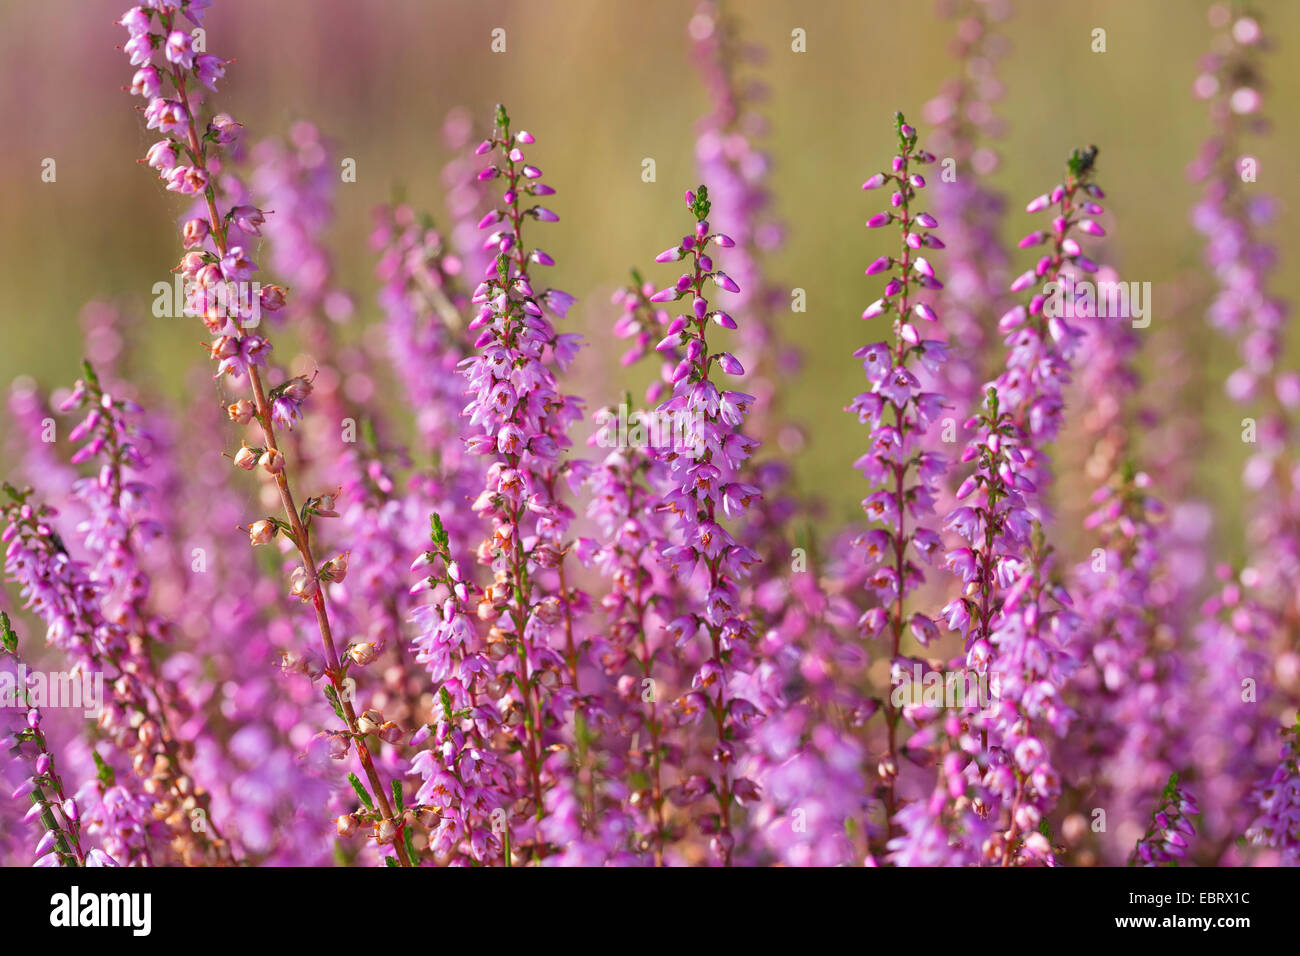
(701, 489)
(436, 614)
(900, 413)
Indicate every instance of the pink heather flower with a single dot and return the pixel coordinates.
(139, 49)
(178, 49)
(209, 69)
(146, 82)
(136, 21)
(162, 155)
(1167, 837)
(166, 116)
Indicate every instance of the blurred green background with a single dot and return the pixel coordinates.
(603, 85)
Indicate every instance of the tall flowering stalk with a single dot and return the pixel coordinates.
(1041, 342)
(730, 157)
(120, 527)
(1015, 615)
(60, 841)
(1027, 621)
(993, 517)
(1014, 621)
(703, 479)
(1232, 215)
(519, 419)
(468, 787)
(626, 506)
(810, 761)
(214, 265)
(426, 308)
(1278, 800)
(96, 611)
(1232, 740)
(900, 413)
(1133, 679)
(60, 590)
(1133, 685)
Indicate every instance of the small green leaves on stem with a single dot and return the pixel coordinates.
(362, 793)
(437, 533)
(699, 202)
(332, 696)
(7, 634)
(906, 134)
(1081, 162)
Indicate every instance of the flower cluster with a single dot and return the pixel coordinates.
(1278, 823)
(1166, 838)
(671, 654)
(60, 816)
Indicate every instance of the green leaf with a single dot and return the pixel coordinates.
(701, 206)
(1171, 788)
(10, 638)
(362, 792)
(391, 861)
(1081, 162)
(397, 794)
(409, 839)
(332, 696)
(437, 533)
